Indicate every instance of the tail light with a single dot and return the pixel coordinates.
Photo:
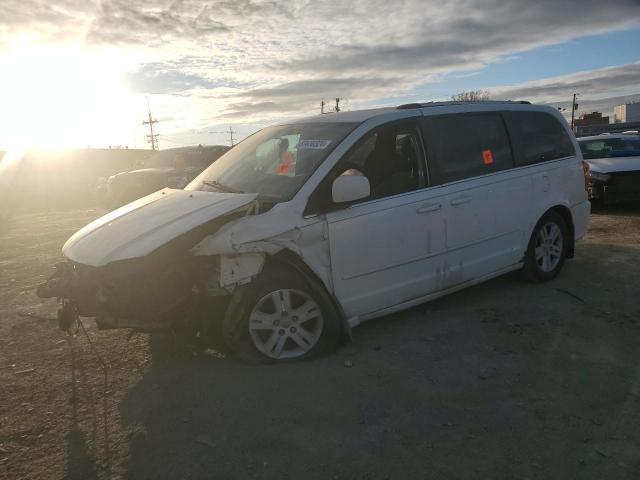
(587, 175)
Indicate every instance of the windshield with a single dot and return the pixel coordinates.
(610, 147)
(274, 162)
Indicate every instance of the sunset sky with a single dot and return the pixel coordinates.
(75, 73)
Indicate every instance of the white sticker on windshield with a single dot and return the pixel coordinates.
(314, 144)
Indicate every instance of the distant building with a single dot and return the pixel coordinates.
(629, 112)
(594, 118)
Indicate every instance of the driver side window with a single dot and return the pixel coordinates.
(390, 157)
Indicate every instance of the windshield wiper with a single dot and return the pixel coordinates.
(220, 186)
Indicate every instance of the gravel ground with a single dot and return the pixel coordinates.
(503, 380)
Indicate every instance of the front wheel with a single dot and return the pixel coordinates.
(281, 316)
(547, 249)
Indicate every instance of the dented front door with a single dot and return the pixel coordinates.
(385, 252)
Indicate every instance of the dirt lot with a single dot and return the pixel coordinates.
(503, 380)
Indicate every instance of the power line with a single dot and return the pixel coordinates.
(152, 138)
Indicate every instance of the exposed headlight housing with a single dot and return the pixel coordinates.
(599, 176)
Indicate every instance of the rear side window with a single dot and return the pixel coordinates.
(467, 145)
(537, 137)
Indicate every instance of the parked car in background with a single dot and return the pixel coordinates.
(305, 230)
(173, 168)
(614, 163)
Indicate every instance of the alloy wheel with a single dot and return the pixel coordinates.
(548, 247)
(285, 323)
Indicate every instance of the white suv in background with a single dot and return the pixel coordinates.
(304, 230)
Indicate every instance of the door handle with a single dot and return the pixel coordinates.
(429, 207)
(460, 200)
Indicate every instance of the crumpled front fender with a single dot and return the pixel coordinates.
(265, 235)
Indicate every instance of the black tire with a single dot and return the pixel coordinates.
(236, 332)
(532, 270)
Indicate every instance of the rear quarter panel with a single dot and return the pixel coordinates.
(559, 183)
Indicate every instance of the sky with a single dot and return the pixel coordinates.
(78, 73)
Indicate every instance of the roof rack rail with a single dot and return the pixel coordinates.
(409, 106)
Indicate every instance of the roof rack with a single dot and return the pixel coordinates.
(408, 106)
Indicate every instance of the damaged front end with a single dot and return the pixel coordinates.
(142, 294)
(134, 267)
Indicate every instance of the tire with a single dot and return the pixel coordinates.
(255, 331)
(547, 263)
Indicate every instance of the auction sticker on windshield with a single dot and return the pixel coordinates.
(314, 144)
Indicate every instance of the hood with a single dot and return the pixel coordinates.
(614, 164)
(145, 171)
(139, 228)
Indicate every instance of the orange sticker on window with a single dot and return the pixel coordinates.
(284, 166)
(487, 157)
(285, 162)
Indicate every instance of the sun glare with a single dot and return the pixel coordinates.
(59, 97)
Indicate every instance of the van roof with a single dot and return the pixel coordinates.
(358, 116)
(408, 106)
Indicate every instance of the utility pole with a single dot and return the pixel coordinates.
(574, 107)
(152, 138)
(323, 104)
(231, 131)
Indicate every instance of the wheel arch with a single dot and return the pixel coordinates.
(289, 259)
(566, 215)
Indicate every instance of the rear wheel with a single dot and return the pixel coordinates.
(281, 316)
(547, 248)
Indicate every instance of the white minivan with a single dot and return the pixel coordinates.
(304, 230)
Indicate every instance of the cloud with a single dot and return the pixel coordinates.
(51, 20)
(165, 78)
(435, 37)
(303, 96)
(380, 49)
(125, 22)
(253, 60)
(590, 84)
(598, 90)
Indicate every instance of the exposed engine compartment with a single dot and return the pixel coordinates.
(147, 293)
(137, 293)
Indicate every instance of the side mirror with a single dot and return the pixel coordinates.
(347, 188)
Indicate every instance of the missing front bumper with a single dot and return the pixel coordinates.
(135, 294)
